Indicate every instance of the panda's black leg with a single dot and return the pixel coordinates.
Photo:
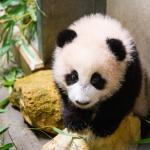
(76, 119)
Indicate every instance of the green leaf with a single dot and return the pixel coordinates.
(60, 131)
(67, 134)
(5, 28)
(2, 130)
(2, 110)
(8, 83)
(4, 49)
(10, 89)
(17, 10)
(6, 146)
(8, 34)
(6, 3)
(10, 78)
(148, 121)
(3, 18)
(4, 102)
(144, 141)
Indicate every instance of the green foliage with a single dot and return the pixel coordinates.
(60, 131)
(68, 134)
(2, 130)
(144, 141)
(17, 23)
(3, 103)
(2, 110)
(6, 146)
(9, 78)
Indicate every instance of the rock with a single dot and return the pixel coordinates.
(38, 100)
(124, 138)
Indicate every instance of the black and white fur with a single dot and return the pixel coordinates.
(98, 73)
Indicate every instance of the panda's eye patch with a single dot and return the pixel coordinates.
(97, 81)
(71, 78)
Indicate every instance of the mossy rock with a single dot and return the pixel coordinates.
(38, 100)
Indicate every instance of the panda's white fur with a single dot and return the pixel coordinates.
(83, 47)
(89, 53)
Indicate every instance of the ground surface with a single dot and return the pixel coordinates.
(19, 132)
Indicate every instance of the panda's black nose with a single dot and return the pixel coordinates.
(82, 103)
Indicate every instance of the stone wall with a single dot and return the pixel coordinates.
(135, 16)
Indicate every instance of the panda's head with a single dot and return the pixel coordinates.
(91, 58)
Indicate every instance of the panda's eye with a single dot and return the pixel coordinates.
(97, 81)
(71, 78)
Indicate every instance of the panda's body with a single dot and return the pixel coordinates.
(98, 72)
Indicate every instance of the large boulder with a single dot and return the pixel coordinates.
(38, 100)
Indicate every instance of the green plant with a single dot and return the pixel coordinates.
(9, 79)
(2, 110)
(59, 131)
(2, 130)
(17, 24)
(6, 146)
(17, 27)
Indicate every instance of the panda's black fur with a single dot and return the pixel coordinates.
(104, 117)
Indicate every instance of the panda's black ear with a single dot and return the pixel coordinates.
(117, 48)
(66, 36)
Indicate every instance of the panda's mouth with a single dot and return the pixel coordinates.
(83, 103)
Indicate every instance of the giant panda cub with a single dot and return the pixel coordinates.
(98, 72)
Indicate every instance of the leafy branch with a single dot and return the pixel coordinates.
(17, 19)
(9, 79)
